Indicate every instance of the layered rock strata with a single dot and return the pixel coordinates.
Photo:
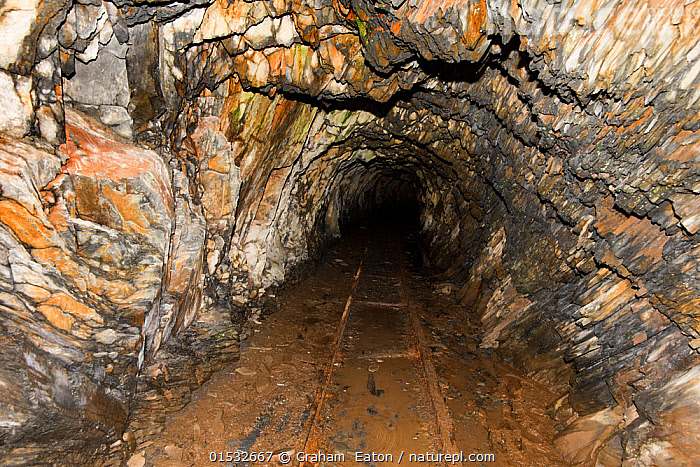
(165, 160)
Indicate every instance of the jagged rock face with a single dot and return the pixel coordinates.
(552, 148)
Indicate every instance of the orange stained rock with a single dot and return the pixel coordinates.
(217, 196)
(613, 261)
(687, 207)
(339, 7)
(55, 257)
(38, 294)
(639, 337)
(685, 306)
(128, 206)
(225, 17)
(428, 9)
(29, 229)
(81, 330)
(220, 163)
(117, 291)
(73, 307)
(608, 300)
(58, 215)
(275, 183)
(290, 116)
(331, 54)
(655, 239)
(57, 317)
(96, 152)
(638, 231)
(689, 26)
(635, 121)
(277, 62)
(282, 5)
(100, 158)
(514, 11)
(610, 221)
(305, 21)
(689, 149)
(474, 35)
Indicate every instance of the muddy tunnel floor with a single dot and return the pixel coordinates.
(367, 353)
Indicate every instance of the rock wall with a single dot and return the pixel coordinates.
(86, 230)
(164, 163)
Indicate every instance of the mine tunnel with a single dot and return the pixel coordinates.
(347, 232)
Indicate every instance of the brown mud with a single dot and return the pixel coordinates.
(376, 399)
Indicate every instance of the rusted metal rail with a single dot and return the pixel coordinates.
(311, 442)
(443, 420)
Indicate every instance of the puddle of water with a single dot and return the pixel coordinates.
(378, 411)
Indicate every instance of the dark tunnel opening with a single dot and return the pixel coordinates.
(389, 200)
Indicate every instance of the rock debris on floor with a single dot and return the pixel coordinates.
(376, 400)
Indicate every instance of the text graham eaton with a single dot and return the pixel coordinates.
(387, 457)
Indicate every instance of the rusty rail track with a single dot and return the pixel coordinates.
(311, 442)
(443, 420)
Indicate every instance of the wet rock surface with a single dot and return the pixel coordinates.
(164, 160)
